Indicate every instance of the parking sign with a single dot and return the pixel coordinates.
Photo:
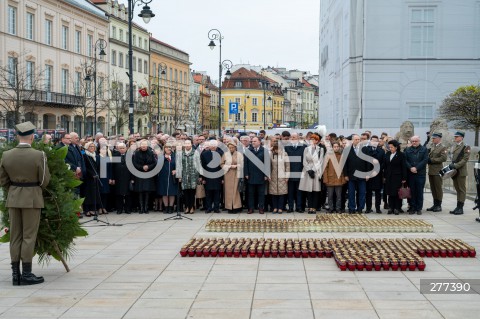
(233, 108)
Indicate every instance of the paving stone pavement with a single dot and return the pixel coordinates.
(135, 271)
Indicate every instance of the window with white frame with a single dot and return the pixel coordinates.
(29, 25)
(420, 114)
(255, 101)
(145, 67)
(140, 65)
(134, 40)
(114, 32)
(120, 59)
(30, 75)
(78, 41)
(64, 37)
(101, 91)
(422, 25)
(78, 81)
(254, 115)
(114, 57)
(223, 101)
(48, 31)
(89, 45)
(238, 84)
(145, 44)
(126, 61)
(48, 77)
(237, 117)
(237, 100)
(64, 81)
(120, 33)
(155, 70)
(140, 42)
(12, 20)
(12, 71)
(134, 64)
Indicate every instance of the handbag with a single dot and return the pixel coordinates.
(200, 191)
(404, 192)
(241, 185)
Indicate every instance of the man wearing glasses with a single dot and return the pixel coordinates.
(416, 158)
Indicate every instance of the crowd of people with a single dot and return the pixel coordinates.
(279, 173)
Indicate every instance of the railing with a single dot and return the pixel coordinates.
(53, 98)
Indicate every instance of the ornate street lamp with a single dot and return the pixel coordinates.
(146, 14)
(216, 35)
(101, 45)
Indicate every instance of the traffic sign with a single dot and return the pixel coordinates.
(233, 108)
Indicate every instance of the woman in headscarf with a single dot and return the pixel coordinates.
(232, 165)
(395, 175)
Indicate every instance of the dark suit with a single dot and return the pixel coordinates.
(256, 177)
(296, 167)
(213, 184)
(375, 184)
(356, 185)
(416, 157)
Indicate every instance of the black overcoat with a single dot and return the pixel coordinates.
(92, 184)
(395, 172)
(121, 175)
(378, 153)
(141, 158)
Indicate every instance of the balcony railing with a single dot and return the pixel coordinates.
(53, 98)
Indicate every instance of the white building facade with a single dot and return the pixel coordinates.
(385, 62)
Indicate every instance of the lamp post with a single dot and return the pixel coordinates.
(216, 35)
(100, 44)
(146, 14)
(264, 85)
(162, 67)
(247, 96)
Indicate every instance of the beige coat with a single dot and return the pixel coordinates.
(312, 162)
(280, 172)
(24, 164)
(232, 198)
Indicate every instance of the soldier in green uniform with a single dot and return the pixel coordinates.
(436, 157)
(24, 172)
(460, 156)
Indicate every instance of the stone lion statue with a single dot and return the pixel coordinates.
(440, 126)
(406, 132)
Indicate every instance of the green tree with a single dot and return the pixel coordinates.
(462, 108)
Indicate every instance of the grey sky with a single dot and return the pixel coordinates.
(259, 32)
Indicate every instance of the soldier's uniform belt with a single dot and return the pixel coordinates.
(25, 184)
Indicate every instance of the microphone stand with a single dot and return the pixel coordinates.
(179, 215)
(96, 191)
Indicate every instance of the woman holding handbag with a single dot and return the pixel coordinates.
(395, 176)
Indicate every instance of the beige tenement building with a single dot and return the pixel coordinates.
(47, 49)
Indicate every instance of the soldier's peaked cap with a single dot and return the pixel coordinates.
(439, 135)
(25, 129)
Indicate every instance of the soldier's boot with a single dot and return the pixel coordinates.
(16, 273)
(430, 209)
(459, 209)
(28, 278)
(438, 208)
(456, 208)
